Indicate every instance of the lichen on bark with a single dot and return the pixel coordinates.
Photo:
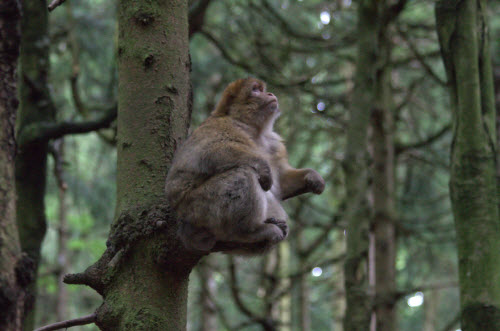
(462, 31)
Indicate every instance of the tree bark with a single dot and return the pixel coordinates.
(303, 286)
(462, 30)
(208, 321)
(338, 299)
(31, 160)
(431, 305)
(143, 274)
(14, 267)
(383, 223)
(62, 233)
(357, 215)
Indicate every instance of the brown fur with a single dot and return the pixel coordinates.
(228, 179)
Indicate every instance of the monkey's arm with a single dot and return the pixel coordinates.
(232, 155)
(294, 182)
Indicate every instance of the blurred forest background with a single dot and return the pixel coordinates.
(306, 51)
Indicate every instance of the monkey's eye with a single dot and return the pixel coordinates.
(256, 88)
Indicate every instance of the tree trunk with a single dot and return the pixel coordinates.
(285, 308)
(431, 305)
(208, 321)
(383, 223)
(62, 234)
(31, 160)
(143, 274)
(338, 299)
(462, 31)
(13, 276)
(304, 293)
(357, 215)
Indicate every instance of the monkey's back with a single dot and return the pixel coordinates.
(203, 155)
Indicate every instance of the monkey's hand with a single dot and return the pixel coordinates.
(264, 175)
(314, 182)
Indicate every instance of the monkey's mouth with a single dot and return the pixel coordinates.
(273, 104)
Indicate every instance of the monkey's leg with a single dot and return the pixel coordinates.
(265, 218)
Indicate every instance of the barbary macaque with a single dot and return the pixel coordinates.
(228, 179)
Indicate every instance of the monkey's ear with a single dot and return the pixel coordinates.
(228, 97)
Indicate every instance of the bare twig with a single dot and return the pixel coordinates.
(69, 323)
(420, 59)
(54, 4)
(400, 148)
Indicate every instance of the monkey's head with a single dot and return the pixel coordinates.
(249, 101)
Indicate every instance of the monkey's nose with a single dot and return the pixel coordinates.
(270, 94)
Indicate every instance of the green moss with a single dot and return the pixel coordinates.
(145, 319)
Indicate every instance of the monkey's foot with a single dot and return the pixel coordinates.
(281, 224)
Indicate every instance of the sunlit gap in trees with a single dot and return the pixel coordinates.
(416, 300)
(316, 272)
(324, 17)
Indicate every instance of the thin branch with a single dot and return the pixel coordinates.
(393, 11)
(69, 323)
(322, 237)
(229, 58)
(288, 27)
(407, 98)
(400, 148)
(403, 61)
(241, 64)
(54, 4)
(48, 130)
(421, 60)
(437, 286)
(236, 292)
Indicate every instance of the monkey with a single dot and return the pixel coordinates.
(227, 180)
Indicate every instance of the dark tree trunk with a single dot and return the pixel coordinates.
(31, 160)
(358, 302)
(13, 274)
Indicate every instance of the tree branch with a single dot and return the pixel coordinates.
(421, 60)
(54, 4)
(393, 11)
(287, 27)
(47, 130)
(69, 323)
(197, 15)
(400, 148)
(236, 293)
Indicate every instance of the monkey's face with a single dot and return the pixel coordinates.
(248, 100)
(255, 94)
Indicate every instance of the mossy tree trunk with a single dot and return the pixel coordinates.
(13, 277)
(358, 211)
(35, 106)
(143, 275)
(358, 303)
(383, 227)
(462, 30)
(371, 227)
